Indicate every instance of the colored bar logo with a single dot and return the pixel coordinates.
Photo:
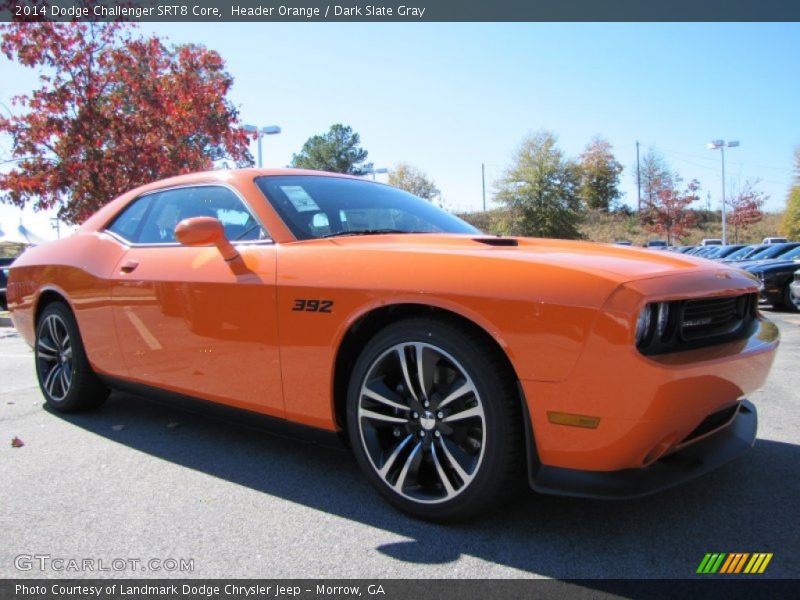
(733, 563)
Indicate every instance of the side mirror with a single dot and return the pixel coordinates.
(205, 231)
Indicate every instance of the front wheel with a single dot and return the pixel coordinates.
(434, 419)
(64, 373)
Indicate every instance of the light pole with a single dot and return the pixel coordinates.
(382, 170)
(268, 130)
(721, 145)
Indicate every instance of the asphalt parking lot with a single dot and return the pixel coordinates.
(137, 480)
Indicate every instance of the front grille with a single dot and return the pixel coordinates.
(712, 317)
(700, 322)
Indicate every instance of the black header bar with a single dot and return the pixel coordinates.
(409, 11)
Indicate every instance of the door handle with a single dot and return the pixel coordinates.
(129, 266)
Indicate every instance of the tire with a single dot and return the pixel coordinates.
(790, 302)
(455, 456)
(65, 376)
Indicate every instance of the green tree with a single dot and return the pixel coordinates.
(412, 180)
(790, 226)
(337, 151)
(599, 173)
(540, 190)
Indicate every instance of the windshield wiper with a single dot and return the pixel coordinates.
(368, 232)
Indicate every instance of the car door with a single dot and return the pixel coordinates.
(187, 320)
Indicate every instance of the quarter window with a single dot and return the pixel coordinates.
(129, 221)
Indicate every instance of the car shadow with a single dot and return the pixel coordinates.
(750, 505)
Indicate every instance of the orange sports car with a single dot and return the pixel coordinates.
(455, 363)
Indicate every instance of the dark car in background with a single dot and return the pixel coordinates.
(776, 277)
(745, 253)
(722, 252)
(770, 252)
(5, 263)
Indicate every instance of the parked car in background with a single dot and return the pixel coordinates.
(774, 240)
(623, 243)
(682, 249)
(705, 251)
(711, 242)
(341, 304)
(725, 251)
(777, 277)
(656, 244)
(5, 263)
(744, 253)
(769, 252)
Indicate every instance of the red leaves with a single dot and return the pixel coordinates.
(669, 212)
(113, 112)
(746, 205)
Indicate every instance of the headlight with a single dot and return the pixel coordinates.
(643, 323)
(663, 318)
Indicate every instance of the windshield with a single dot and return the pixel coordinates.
(316, 206)
(740, 254)
(791, 255)
(770, 252)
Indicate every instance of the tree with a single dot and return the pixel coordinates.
(337, 151)
(114, 111)
(540, 190)
(599, 172)
(790, 225)
(655, 175)
(669, 212)
(412, 180)
(745, 207)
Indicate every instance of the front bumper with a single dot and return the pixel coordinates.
(692, 461)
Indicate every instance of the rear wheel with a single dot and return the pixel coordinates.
(65, 376)
(434, 419)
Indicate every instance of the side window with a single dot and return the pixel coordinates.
(128, 222)
(173, 206)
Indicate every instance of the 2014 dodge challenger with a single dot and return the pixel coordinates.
(455, 363)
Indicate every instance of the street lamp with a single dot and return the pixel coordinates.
(721, 145)
(268, 130)
(375, 171)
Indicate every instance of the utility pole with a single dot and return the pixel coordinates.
(638, 180)
(483, 184)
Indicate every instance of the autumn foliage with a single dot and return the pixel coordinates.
(745, 208)
(114, 111)
(669, 212)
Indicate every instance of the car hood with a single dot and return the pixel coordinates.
(620, 263)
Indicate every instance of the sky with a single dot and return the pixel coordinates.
(448, 97)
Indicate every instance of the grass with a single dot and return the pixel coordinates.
(610, 227)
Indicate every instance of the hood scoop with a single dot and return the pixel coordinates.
(497, 241)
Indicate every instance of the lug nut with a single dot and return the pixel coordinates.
(440, 415)
(397, 432)
(437, 434)
(415, 415)
(421, 434)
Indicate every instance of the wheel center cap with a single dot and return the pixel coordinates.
(427, 420)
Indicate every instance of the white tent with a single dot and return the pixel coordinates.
(20, 235)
